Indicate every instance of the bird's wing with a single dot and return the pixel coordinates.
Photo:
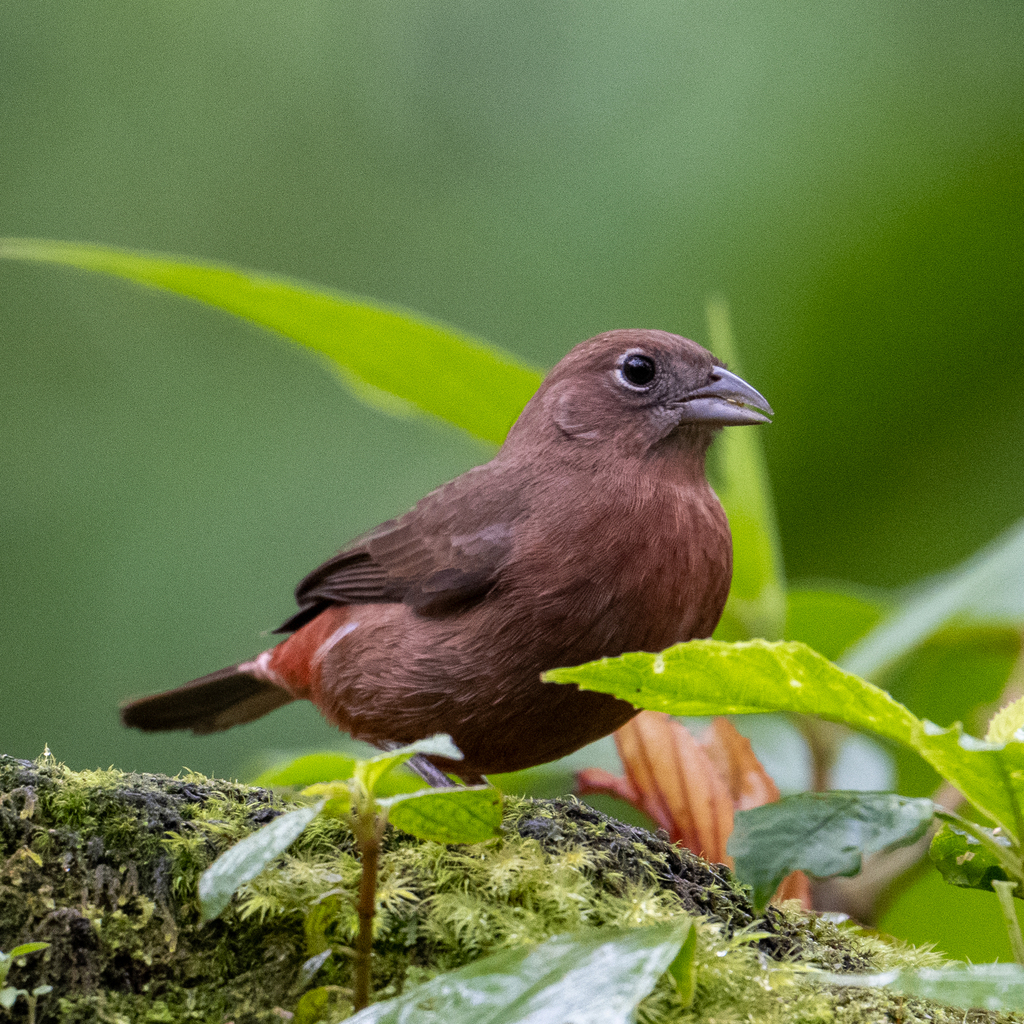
(440, 556)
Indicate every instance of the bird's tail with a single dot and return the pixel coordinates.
(218, 701)
(251, 689)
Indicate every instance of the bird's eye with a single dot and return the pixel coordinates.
(637, 370)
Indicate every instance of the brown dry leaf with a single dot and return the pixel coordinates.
(748, 783)
(690, 788)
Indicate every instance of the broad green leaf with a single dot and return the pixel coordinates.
(325, 766)
(591, 978)
(467, 815)
(337, 797)
(8, 996)
(830, 620)
(1007, 723)
(370, 773)
(954, 674)
(988, 587)
(963, 860)
(707, 677)
(979, 986)
(823, 834)
(990, 775)
(393, 358)
(329, 766)
(246, 859)
(757, 598)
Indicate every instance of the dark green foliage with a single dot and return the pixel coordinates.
(823, 834)
(964, 861)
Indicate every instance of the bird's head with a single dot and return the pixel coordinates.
(636, 391)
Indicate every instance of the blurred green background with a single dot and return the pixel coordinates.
(849, 175)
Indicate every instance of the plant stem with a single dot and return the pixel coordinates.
(1004, 890)
(369, 829)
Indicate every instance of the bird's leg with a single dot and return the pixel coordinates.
(429, 772)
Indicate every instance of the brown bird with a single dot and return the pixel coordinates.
(592, 532)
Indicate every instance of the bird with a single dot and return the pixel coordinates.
(592, 532)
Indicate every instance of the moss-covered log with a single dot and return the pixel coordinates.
(104, 866)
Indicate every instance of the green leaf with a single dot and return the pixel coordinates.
(591, 978)
(1007, 723)
(337, 797)
(325, 766)
(312, 1007)
(8, 995)
(683, 969)
(979, 986)
(964, 861)
(246, 859)
(989, 775)
(467, 815)
(988, 587)
(391, 357)
(370, 773)
(823, 834)
(757, 598)
(707, 677)
(945, 679)
(28, 947)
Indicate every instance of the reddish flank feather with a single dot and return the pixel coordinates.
(592, 532)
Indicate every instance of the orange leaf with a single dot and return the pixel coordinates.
(795, 886)
(690, 788)
(749, 784)
(597, 780)
(671, 779)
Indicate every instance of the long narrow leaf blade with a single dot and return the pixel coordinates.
(377, 349)
(988, 587)
(245, 860)
(597, 978)
(757, 598)
(978, 986)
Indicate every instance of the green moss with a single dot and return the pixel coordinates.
(104, 865)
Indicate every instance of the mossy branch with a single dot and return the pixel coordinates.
(104, 867)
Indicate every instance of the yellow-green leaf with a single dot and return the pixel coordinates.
(411, 361)
(757, 598)
(465, 815)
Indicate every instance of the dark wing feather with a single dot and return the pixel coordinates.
(440, 556)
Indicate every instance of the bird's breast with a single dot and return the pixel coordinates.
(634, 568)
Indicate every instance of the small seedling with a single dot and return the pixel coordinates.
(8, 993)
(457, 815)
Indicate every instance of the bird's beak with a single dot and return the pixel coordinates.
(725, 401)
